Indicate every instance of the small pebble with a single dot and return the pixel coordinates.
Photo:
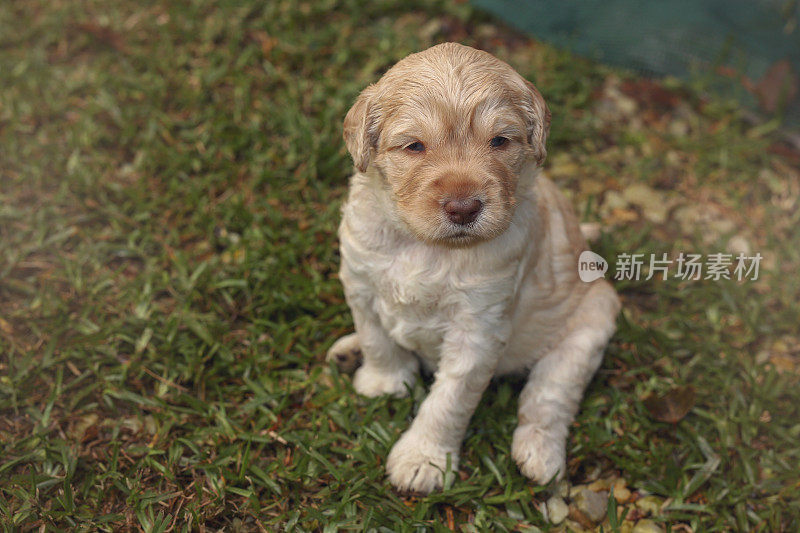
(738, 244)
(621, 492)
(562, 488)
(647, 526)
(592, 504)
(650, 504)
(557, 510)
(614, 200)
(574, 490)
(600, 484)
(679, 128)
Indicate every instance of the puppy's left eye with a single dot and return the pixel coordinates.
(416, 146)
(498, 141)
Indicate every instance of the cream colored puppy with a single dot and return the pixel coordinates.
(457, 253)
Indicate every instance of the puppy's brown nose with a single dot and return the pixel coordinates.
(463, 210)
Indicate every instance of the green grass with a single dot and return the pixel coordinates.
(170, 180)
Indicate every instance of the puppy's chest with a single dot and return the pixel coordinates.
(415, 304)
(420, 299)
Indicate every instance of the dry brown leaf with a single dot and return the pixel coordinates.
(777, 87)
(671, 406)
(103, 34)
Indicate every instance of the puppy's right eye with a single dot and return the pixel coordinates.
(416, 146)
(498, 141)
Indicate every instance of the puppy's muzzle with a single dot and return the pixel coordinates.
(463, 211)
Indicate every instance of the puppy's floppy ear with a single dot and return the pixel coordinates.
(361, 128)
(538, 123)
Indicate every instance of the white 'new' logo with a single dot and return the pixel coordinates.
(591, 266)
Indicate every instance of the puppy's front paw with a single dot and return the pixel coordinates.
(539, 452)
(415, 465)
(372, 381)
(345, 353)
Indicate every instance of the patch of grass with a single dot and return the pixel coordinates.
(170, 179)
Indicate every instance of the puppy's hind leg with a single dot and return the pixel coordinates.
(387, 368)
(550, 399)
(346, 353)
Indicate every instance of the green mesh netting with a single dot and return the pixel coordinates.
(684, 38)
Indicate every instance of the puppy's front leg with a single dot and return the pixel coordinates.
(418, 460)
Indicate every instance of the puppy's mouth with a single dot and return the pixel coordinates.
(462, 237)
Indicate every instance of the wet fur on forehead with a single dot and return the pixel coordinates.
(453, 69)
(448, 84)
(448, 81)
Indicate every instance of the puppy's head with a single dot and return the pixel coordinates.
(449, 130)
